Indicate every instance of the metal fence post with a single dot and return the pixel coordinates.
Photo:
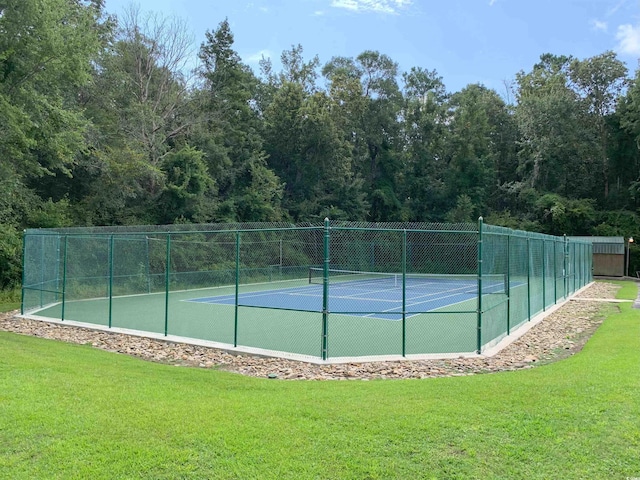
(237, 291)
(167, 286)
(544, 275)
(24, 268)
(575, 268)
(110, 278)
(528, 278)
(509, 283)
(404, 292)
(148, 264)
(479, 325)
(565, 254)
(555, 272)
(64, 277)
(325, 291)
(42, 270)
(57, 266)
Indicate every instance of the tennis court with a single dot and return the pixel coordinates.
(368, 294)
(315, 292)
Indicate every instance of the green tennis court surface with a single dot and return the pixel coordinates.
(441, 320)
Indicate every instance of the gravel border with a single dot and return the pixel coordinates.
(561, 334)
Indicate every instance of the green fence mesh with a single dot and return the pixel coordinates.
(334, 291)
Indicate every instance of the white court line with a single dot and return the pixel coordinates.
(426, 301)
(232, 296)
(380, 290)
(293, 291)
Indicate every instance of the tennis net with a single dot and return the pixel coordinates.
(491, 284)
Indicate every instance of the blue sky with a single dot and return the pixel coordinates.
(465, 41)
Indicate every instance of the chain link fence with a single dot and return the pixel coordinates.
(338, 291)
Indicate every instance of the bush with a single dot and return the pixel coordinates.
(10, 256)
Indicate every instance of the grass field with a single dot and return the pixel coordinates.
(9, 300)
(69, 411)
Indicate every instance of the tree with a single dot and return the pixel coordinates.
(142, 82)
(424, 132)
(230, 134)
(308, 151)
(600, 81)
(480, 149)
(367, 88)
(46, 51)
(558, 215)
(556, 150)
(187, 180)
(294, 70)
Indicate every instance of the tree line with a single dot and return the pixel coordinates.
(105, 121)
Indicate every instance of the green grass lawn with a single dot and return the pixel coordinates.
(9, 300)
(69, 411)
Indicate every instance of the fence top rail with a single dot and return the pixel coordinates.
(172, 228)
(233, 227)
(409, 230)
(123, 231)
(536, 236)
(123, 234)
(506, 231)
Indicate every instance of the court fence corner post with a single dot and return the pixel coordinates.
(325, 291)
(24, 266)
(479, 310)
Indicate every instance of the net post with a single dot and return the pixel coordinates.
(167, 285)
(237, 291)
(24, 265)
(479, 310)
(325, 290)
(64, 277)
(110, 278)
(404, 292)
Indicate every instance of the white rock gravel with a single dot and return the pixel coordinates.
(561, 334)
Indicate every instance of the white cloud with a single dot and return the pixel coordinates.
(318, 13)
(254, 58)
(378, 6)
(628, 38)
(616, 7)
(599, 25)
(492, 3)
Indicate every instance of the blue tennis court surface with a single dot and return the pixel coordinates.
(366, 299)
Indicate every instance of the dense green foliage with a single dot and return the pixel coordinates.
(102, 122)
(70, 411)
